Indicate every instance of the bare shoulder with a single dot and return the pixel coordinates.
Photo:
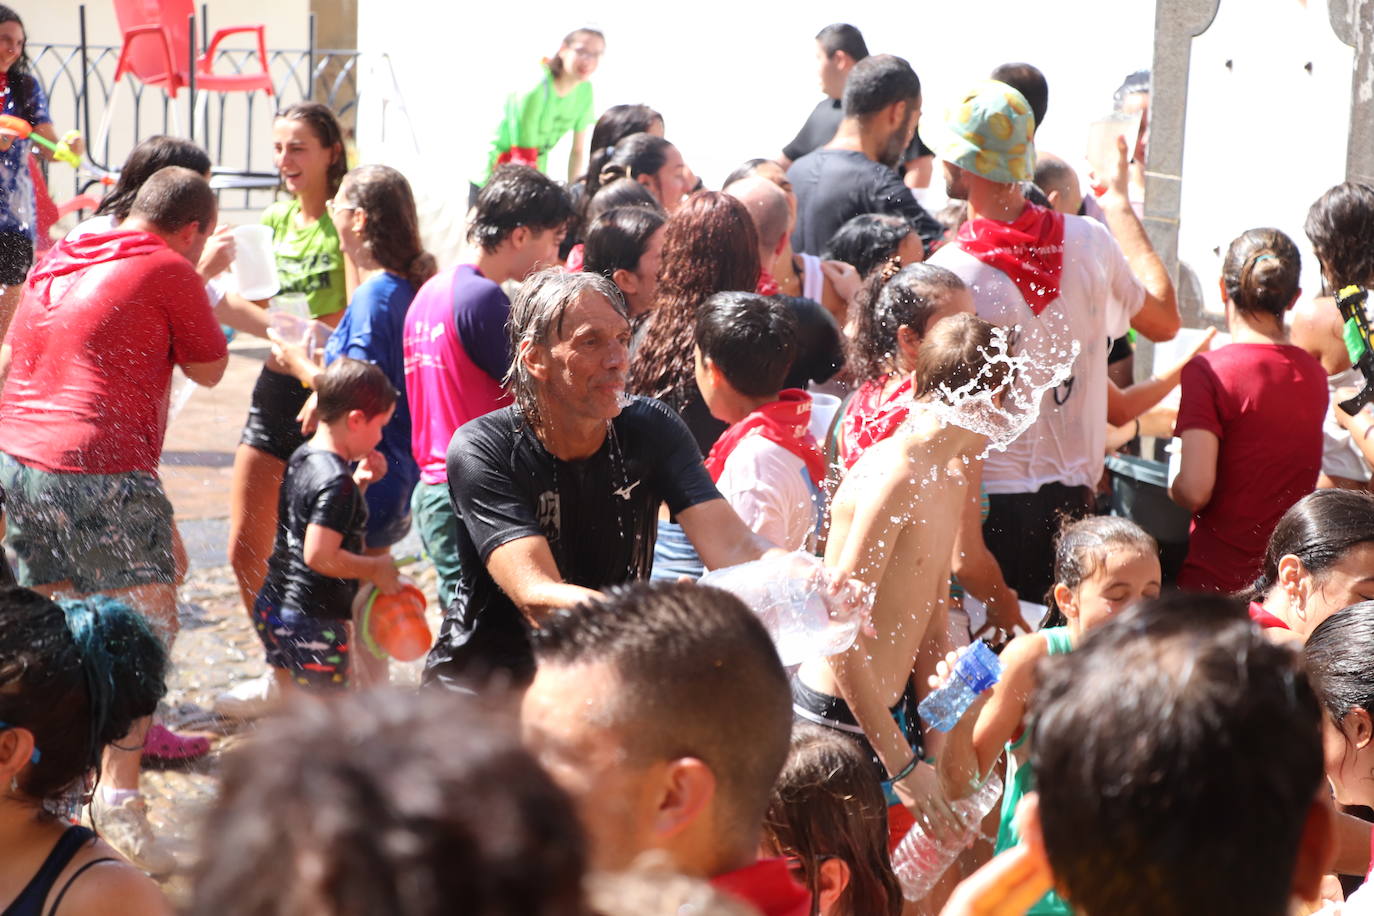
(112, 888)
(1023, 653)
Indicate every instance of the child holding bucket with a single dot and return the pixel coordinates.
(303, 611)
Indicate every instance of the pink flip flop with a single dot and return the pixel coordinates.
(163, 744)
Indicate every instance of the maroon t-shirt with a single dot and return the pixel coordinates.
(1265, 402)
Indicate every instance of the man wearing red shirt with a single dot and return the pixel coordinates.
(664, 711)
(87, 368)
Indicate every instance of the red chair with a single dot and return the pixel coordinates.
(157, 47)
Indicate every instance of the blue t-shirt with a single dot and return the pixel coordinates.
(480, 314)
(18, 209)
(371, 330)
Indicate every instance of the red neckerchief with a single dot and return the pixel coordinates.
(766, 286)
(1029, 250)
(1266, 620)
(768, 886)
(576, 257)
(785, 422)
(871, 418)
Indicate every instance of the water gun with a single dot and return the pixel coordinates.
(61, 151)
(1351, 301)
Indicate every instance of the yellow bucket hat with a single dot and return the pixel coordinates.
(990, 132)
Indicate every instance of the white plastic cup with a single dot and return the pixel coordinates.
(290, 329)
(823, 410)
(255, 264)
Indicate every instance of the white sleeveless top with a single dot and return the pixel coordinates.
(813, 280)
(1341, 457)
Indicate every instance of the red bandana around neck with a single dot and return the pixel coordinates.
(785, 422)
(1029, 250)
(767, 286)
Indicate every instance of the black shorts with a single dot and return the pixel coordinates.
(1120, 349)
(272, 426)
(16, 257)
(1020, 531)
(834, 713)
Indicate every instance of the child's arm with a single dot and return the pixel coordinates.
(324, 553)
(976, 741)
(371, 469)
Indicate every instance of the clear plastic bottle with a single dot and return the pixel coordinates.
(975, 671)
(919, 860)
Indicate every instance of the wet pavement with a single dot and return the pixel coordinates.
(216, 647)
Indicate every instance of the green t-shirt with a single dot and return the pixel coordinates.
(538, 119)
(308, 258)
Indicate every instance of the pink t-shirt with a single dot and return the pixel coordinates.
(456, 353)
(1265, 402)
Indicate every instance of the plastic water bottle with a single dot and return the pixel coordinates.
(919, 859)
(975, 671)
(786, 593)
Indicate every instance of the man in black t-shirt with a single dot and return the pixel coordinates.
(853, 174)
(557, 496)
(838, 48)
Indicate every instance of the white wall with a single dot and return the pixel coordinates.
(733, 80)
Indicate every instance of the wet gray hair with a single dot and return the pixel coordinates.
(537, 313)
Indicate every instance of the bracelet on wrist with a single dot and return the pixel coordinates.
(1137, 428)
(907, 770)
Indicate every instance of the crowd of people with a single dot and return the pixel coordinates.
(627, 381)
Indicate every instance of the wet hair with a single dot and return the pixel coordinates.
(147, 158)
(683, 656)
(1180, 739)
(820, 345)
(615, 124)
(841, 36)
(617, 238)
(555, 63)
(536, 315)
(632, 156)
(1318, 529)
(892, 297)
(1339, 657)
(18, 74)
(623, 192)
(516, 196)
(174, 197)
(1030, 82)
(389, 802)
(752, 339)
(867, 240)
(954, 354)
(1133, 84)
(1261, 272)
(325, 126)
(877, 82)
(1340, 225)
(827, 803)
(349, 384)
(1081, 549)
(392, 230)
(77, 674)
(710, 246)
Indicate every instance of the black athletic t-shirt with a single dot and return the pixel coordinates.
(820, 128)
(318, 490)
(599, 516)
(834, 186)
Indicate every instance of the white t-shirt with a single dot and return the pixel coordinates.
(813, 278)
(770, 490)
(1098, 297)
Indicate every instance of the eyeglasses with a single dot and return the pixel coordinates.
(331, 208)
(587, 53)
(35, 756)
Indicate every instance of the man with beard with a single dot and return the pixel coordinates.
(853, 173)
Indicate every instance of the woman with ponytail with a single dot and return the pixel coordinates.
(74, 678)
(1250, 418)
(374, 213)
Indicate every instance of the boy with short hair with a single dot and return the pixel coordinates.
(767, 465)
(304, 609)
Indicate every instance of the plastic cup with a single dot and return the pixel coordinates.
(396, 623)
(255, 264)
(823, 410)
(290, 329)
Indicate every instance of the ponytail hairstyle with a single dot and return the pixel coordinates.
(635, 155)
(1339, 657)
(147, 158)
(326, 129)
(1083, 547)
(894, 296)
(827, 804)
(1340, 226)
(614, 125)
(18, 73)
(392, 230)
(1318, 529)
(555, 63)
(77, 674)
(1261, 272)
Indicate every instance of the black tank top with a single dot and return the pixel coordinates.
(30, 899)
